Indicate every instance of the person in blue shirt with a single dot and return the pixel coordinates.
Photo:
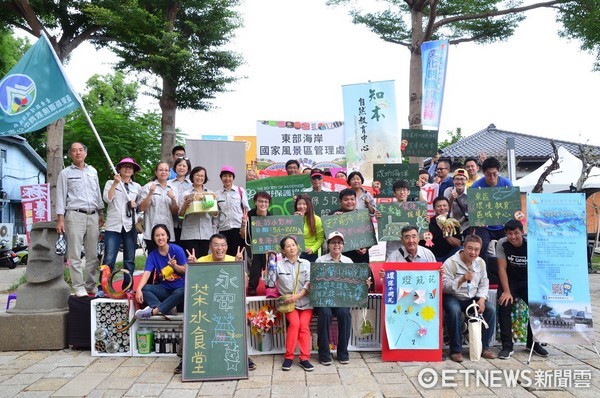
(491, 178)
(443, 173)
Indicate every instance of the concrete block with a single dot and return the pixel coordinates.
(41, 331)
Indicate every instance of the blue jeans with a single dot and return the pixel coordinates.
(344, 318)
(453, 310)
(112, 242)
(163, 298)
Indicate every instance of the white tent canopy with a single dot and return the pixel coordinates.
(593, 180)
(558, 180)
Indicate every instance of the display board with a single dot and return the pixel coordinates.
(324, 202)
(339, 285)
(356, 226)
(395, 216)
(281, 189)
(214, 327)
(412, 312)
(493, 206)
(268, 231)
(420, 143)
(388, 173)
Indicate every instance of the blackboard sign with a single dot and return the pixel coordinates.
(356, 226)
(388, 174)
(421, 143)
(214, 327)
(324, 202)
(339, 285)
(281, 189)
(268, 231)
(394, 216)
(493, 206)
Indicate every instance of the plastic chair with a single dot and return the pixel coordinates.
(11, 297)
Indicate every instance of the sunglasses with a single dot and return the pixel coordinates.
(183, 157)
(316, 178)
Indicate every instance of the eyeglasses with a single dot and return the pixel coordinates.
(183, 157)
(491, 174)
(336, 243)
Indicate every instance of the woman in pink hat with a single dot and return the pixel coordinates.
(119, 227)
(233, 210)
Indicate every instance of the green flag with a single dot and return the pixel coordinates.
(35, 92)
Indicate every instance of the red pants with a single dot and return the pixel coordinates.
(298, 332)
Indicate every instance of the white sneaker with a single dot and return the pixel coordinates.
(144, 313)
(81, 292)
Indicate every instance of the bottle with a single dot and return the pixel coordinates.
(272, 270)
(161, 338)
(168, 344)
(157, 341)
(175, 342)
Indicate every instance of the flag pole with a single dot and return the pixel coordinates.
(78, 98)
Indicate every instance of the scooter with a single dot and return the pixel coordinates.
(8, 258)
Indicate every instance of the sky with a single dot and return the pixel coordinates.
(299, 54)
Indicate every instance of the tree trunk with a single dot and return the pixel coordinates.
(54, 158)
(168, 106)
(415, 85)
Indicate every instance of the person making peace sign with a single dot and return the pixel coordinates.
(168, 261)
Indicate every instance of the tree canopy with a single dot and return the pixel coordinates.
(411, 22)
(581, 22)
(182, 43)
(11, 50)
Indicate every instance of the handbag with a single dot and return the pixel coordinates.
(474, 322)
(284, 307)
(363, 321)
(272, 292)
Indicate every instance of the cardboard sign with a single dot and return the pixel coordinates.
(268, 231)
(493, 206)
(387, 174)
(339, 285)
(214, 326)
(356, 226)
(420, 143)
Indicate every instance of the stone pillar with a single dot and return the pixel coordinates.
(38, 321)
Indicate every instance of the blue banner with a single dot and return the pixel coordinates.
(35, 92)
(434, 58)
(560, 311)
(370, 126)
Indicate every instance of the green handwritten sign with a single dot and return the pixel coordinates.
(281, 189)
(356, 226)
(388, 174)
(492, 206)
(339, 285)
(214, 343)
(268, 231)
(394, 216)
(421, 143)
(324, 202)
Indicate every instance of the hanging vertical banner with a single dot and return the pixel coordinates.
(560, 311)
(313, 144)
(35, 92)
(434, 57)
(35, 201)
(371, 126)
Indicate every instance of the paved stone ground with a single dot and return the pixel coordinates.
(69, 373)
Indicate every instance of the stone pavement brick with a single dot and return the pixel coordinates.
(23, 378)
(155, 377)
(146, 390)
(107, 394)
(122, 383)
(315, 379)
(221, 388)
(394, 390)
(178, 393)
(81, 385)
(68, 372)
(10, 391)
(327, 391)
(255, 382)
(128, 371)
(254, 393)
(47, 384)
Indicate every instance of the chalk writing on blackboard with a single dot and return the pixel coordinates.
(324, 202)
(395, 216)
(421, 143)
(268, 231)
(339, 285)
(388, 174)
(356, 226)
(493, 206)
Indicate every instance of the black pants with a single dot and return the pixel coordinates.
(518, 289)
(199, 246)
(257, 264)
(234, 240)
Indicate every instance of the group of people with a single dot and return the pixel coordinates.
(173, 238)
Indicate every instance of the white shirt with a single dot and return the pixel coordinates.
(116, 214)
(328, 259)
(423, 255)
(159, 211)
(196, 226)
(230, 207)
(78, 189)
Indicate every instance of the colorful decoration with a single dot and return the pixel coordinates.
(448, 225)
(265, 320)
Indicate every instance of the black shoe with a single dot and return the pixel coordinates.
(179, 367)
(251, 364)
(344, 361)
(307, 366)
(287, 364)
(538, 350)
(505, 353)
(325, 362)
